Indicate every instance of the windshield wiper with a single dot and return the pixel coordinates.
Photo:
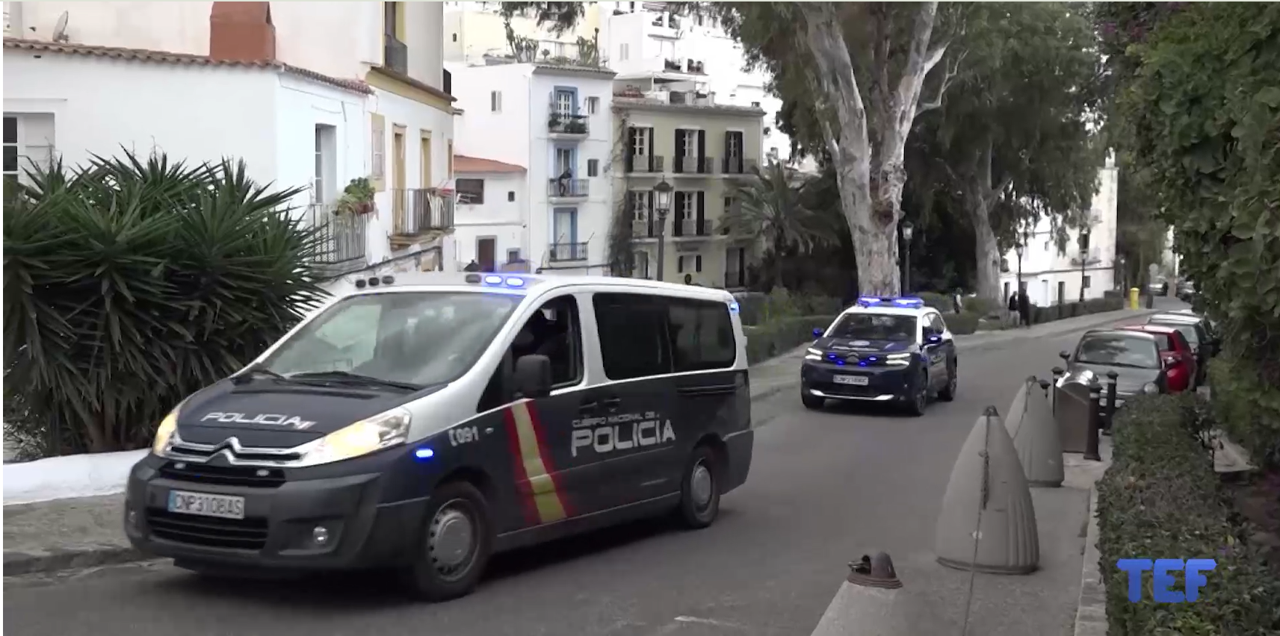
(256, 370)
(355, 378)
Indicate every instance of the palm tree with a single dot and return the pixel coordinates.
(771, 205)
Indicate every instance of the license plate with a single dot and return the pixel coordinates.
(855, 380)
(206, 505)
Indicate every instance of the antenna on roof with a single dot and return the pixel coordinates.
(60, 29)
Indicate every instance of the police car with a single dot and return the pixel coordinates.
(882, 349)
(427, 423)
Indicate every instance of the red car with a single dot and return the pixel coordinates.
(1179, 358)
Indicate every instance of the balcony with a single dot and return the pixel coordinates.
(340, 238)
(564, 125)
(395, 55)
(418, 212)
(560, 190)
(567, 252)
(739, 166)
(695, 165)
(642, 229)
(691, 228)
(645, 164)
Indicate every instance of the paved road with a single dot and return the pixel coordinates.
(824, 488)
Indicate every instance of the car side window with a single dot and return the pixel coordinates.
(634, 341)
(554, 331)
(701, 335)
(939, 326)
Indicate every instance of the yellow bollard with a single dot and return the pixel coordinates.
(1133, 298)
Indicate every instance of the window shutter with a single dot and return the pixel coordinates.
(702, 146)
(679, 217)
(680, 147)
(702, 211)
(728, 142)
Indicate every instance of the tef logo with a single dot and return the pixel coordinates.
(1163, 580)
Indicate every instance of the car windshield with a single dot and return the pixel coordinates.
(1188, 329)
(419, 338)
(863, 326)
(1119, 350)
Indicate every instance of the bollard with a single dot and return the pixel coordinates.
(871, 601)
(1112, 379)
(1035, 435)
(1091, 432)
(1053, 397)
(988, 521)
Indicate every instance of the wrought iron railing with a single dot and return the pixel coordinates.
(739, 165)
(566, 124)
(562, 252)
(340, 238)
(645, 163)
(691, 227)
(695, 165)
(419, 210)
(567, 187)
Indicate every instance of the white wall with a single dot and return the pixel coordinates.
(479, 30)
(503, 136)
(189, 112)
(334, 38)
(497, 217)
(424, 29)
(301, 106)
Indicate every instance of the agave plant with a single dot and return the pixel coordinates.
(771, 205)
(130, 283)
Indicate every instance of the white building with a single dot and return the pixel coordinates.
(492, 216)
(1051, 277)
(648, 46)
(554, 120)
(309, 95)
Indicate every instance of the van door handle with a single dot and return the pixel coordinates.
(611, 403)
(587, 407)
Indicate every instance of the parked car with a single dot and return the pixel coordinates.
(1197, 333)
(1181, 367)
(1133, 355)
(1186, 291)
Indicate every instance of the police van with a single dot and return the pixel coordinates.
(883, 349)
(427, 423)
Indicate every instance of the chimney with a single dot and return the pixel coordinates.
(242, 32)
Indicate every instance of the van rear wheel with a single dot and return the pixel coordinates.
(700, 488)
(454, 544)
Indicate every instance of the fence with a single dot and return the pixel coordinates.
(419, 210)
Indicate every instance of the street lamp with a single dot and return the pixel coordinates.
(662, 205)
(1084, 254)
(1018, 247)
(907, 231)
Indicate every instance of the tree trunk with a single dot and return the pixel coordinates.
(872, 210)
(981, 198)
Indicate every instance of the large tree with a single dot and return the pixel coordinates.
(1013, 136)
(865, 67)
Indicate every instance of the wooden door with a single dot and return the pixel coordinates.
(485, 250)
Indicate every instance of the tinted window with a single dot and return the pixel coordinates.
(701, 335)
(862, 326)
(553, 331)
(1188, 329)
(633, 335)
(1119, 350)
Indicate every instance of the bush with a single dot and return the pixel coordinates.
(1161, 499)
(129, 284)
(1248, 408)
(775, 338)
(756, 308)
(963, 323)
(941, 302)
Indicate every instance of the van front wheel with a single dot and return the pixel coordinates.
(454, 544)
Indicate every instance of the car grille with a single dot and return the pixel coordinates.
(238, 534)
(847, 390)
(251, 476)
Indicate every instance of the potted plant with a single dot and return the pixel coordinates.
(357, 197)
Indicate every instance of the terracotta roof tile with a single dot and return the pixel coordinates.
(187, 59)
(465, 164)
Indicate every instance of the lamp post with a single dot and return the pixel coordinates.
(907, 231)
(1084, 255)
(662, 205)
(1124, 275)
(1017, 247)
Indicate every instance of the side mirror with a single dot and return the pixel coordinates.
(817, 332)
(533, 376)
(1066, 357)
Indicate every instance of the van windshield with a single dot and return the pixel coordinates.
(419, 338)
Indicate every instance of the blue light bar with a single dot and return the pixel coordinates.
(493, 279)
(424, 453)
(910, 302)
(733, 306)
(512, 281)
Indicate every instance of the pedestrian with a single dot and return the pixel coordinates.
(563, 182)
(1013, 308)
(473, 266)
(1024, 309)
(956, 303)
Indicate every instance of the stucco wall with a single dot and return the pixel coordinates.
(301, 106)
(193, 113)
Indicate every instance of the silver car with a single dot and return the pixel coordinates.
(1133, 355)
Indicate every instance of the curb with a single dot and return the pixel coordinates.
(19, 563)
(1091, 609)
(1023, 334)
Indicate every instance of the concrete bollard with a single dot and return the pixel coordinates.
(871, 602)
(1035, 435)
(987, 519)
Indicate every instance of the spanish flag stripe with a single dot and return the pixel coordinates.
(545, 497)
(522, 478)
(545, 453)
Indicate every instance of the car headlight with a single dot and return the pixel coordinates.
(813, 352)
(164, 433)
(898, 359)
(366, 436)
(1150, 388)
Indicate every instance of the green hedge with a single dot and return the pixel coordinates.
(964, 323)
(777, 337)
(1051, 313)
(1247, 406)
(757, 308)
(1161, 499)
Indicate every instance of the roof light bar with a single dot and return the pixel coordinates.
(911, 302)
